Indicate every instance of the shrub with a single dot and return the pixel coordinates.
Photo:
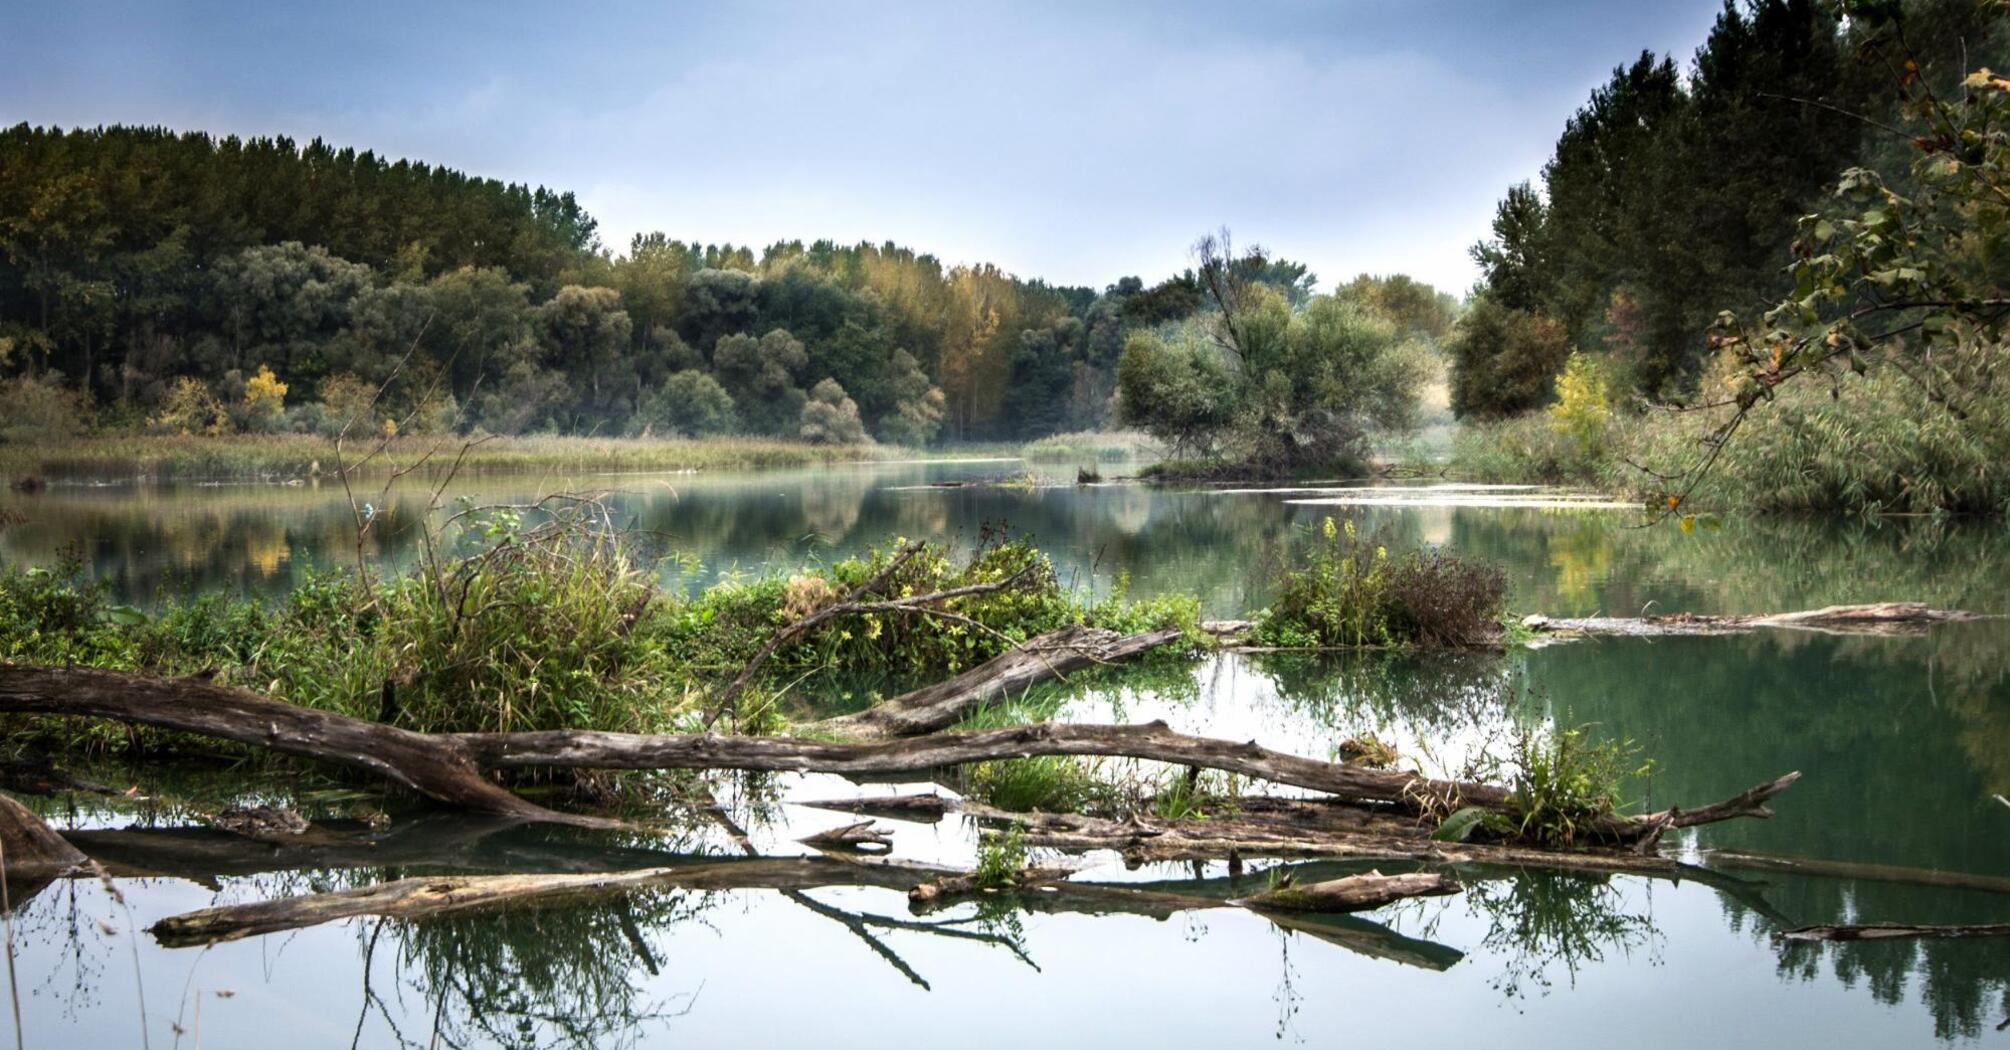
(688, 404)
(830, 417)
(264, 400)
(190, 408)
(1352, 594)
(37, 409)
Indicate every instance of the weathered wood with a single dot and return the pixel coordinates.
(31, 851)
(433, 765)
(1353, 893)
(450, 767)
(861, 837)
(1841, 869)
(927, 807)
(938, 891)
(1874, 618)
(1011, 673)
(1886, 931)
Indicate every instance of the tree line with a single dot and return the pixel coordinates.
(178, 282)
(1673, 196)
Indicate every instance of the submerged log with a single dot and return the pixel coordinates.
(1353, 893)
(1840, 869)
(1889, 618)
(1886, 931)
(935, 892)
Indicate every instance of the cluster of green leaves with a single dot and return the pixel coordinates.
(1351, 594)
(1563, 783)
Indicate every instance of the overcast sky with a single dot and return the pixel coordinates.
(1073, 141)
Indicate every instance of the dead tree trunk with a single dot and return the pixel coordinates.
(1042, 659)
(449, 767)
(1886, 931)
(435, 766)
(29, 850)
(1353, 893)
(1875, 618)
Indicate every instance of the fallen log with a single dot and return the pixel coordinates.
(31, 853)
(937, 891)
(429, 764)
(451, 767)
(1041, 659)
(1353, 893)
(1839, 869)
(1886, 931)
(1879, 618)
(861, 837)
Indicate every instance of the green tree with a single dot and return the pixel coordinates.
(688, 404)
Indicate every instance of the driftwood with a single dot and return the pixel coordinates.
(1041, 659)
(1887, 931)
(31, 853)
(454, 768)
(1353, 893)
(938, 891)
(1889, 618)
(861, 837)
(928, 807)
(1839, 869)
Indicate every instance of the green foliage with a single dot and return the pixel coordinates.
(1564, 781)
(548, 624)
(831, 418)
(1270, 382)
(39, 408)
(1001, 856)
(1350, 593)
(1504, 359)
(688, 404)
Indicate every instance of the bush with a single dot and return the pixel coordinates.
(1352, 594)
(830, 417)
(40, 409)
(688, 404)
(1504, 361)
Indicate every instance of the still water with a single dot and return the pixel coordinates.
(1903, 742)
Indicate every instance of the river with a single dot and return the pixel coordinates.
(1903, 743)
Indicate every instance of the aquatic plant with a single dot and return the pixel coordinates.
(1350, 592)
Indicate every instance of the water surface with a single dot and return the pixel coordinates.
(1903, 742)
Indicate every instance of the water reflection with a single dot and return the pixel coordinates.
(1902, 741)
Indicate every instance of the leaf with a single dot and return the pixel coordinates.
(1459, 826)
(124, 616)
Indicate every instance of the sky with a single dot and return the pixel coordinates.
(1076, 142)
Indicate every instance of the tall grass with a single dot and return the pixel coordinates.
(305, 455)
(1090, 446)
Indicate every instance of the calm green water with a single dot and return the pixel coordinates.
(1903, 742)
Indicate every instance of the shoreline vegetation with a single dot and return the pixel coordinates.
(284, 457)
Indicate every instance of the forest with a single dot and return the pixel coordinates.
(179, 283)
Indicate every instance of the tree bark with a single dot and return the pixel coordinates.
(433, 765)
(1353, 893)
(1874, 618)
(30, 851)
(450, 768)
(1011, 673)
